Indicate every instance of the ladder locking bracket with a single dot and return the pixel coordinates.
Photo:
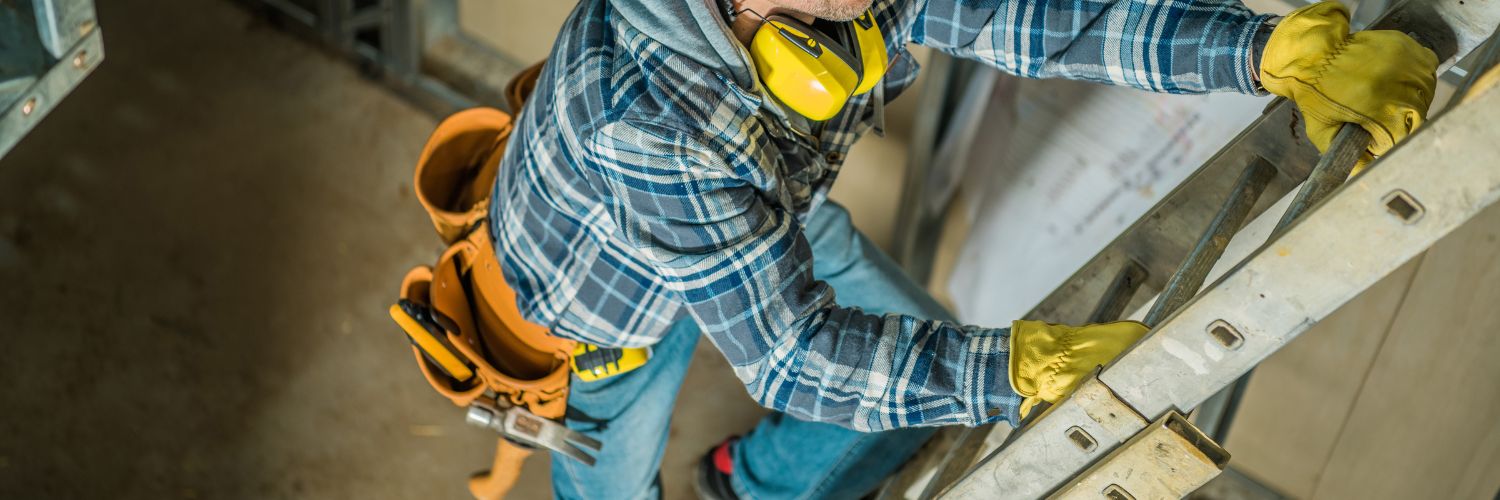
(1169, 459)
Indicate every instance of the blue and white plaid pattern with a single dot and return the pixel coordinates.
(642, 187)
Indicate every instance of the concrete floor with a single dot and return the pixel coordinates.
(199, 246)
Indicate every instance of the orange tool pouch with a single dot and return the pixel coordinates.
(516, 360)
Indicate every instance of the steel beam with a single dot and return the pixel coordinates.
(68, 32)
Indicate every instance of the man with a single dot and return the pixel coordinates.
(656, 190)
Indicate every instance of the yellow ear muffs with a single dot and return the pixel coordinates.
(811, 72)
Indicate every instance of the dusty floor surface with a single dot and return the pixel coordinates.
(198, 247)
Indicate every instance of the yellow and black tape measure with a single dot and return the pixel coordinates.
(592, 362)
(423, 331)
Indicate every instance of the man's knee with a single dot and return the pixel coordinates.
(831, 218)
(835, 241)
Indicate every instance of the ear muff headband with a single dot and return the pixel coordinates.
(871, 51)
(839, 38)
(811, 72)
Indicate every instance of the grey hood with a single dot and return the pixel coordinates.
(694, 29)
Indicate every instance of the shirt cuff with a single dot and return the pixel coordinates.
(1258, 49)
(999, 402)
(1237, 67)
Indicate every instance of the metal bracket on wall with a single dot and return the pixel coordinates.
(414, 46)
(50, 46)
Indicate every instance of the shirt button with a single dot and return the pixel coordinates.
(834, 157)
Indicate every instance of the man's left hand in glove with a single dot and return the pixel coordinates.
(1379, 80)
(1048, 361)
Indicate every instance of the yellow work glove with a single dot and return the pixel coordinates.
(1380, 80)
(1047, 361)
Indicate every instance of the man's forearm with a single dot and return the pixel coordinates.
(1177, 46)
(873, 372)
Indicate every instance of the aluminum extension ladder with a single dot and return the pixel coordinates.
(1123, 434)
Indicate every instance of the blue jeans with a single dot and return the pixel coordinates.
(783, 457)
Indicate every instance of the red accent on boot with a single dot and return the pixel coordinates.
(722, 461)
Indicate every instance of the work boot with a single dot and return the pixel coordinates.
(713, 473)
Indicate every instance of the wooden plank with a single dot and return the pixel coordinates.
(1300, 397)
(1425, 422)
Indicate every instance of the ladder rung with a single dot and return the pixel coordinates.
(1117, 296)
(1328, 174)
(1232, 214)
(1216, 415)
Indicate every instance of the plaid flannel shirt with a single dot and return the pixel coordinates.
(642, 187)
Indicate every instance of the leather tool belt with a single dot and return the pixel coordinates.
(468, 337)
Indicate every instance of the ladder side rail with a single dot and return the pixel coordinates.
(1440, 178)
(1334, 168)
(1157, 241)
